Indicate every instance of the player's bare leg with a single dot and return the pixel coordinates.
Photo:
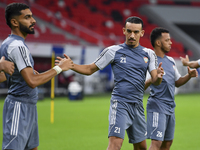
(34, 148)
(166, 145)
(155, 145)
(115, 143)
(140, 146)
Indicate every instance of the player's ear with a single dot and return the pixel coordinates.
(14, 22)
(142, 33)
(124, 30)
(158, 43)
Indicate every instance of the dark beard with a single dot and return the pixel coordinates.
(25, 29)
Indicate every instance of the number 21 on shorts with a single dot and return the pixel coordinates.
(117, 130)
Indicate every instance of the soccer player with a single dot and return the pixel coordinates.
(20, 126)
(161, 105)
(130, 61)
(6, 66)
(193, 64)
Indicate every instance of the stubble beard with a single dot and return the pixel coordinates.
(163, 49)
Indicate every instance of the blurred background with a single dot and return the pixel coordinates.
(83, 28)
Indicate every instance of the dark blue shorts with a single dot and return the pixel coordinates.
(20, 127)
(127, 117)
(160, 126)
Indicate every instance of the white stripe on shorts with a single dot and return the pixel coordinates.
(155, 119)
(114, 112)
(15, 119)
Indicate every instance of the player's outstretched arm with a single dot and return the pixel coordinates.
(186, 62)
(6, 66)
(182, 80)
(34, 80)
(157, 75)
(84, 69)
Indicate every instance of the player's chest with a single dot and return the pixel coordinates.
(131, 60)
(169, 70)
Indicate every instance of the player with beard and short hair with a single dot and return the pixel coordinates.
(20, 126)
(161, 104)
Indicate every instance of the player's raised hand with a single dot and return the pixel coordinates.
(67, 57)
(160, 70)
(185, 60)
(6, 66)
(64, 63)
(192, 72)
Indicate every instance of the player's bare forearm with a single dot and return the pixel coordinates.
(157, 81)
(182, 80)
(85, 69)
(147, 83)
(2, 77)
(186, 62)
(193, 64)
(82, 69)
(34, 80)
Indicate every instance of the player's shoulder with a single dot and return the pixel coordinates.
(148, 50)
(171, 59)
(17, 43)
(111, 49)
(13, 40)
(114, 47)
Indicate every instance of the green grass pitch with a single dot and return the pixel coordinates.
(84, 124)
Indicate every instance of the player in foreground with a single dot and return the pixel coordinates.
(130, 62)
(20, 126)
(6, 66)
(193, 64)
(161, 104)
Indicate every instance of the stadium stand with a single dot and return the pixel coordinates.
(79, 23)
(42, 34)
(97, 22)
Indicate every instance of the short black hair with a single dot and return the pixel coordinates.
(14, 9)
(157, 33)
(135, 20)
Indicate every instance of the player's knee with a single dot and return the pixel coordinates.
(140, 146)
(155, 145)
(115, 143)
(166, 145)
(114, 147)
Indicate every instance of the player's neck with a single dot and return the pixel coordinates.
(19, 33)
(159, 53)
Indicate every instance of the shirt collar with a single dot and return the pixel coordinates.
(17, 37)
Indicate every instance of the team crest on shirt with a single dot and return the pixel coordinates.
(146, 59)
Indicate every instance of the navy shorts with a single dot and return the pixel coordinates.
(160, 126)
(127, 117)
(20, 127)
